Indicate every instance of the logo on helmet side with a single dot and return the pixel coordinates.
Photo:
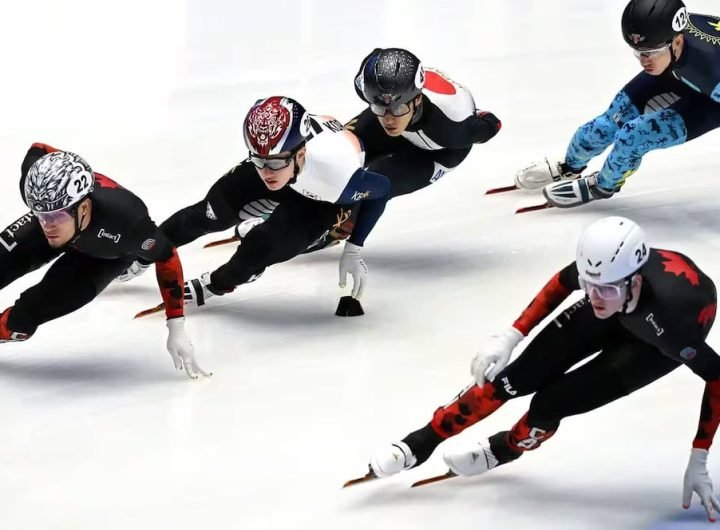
(635, 38)
(420, 77)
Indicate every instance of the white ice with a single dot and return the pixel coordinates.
(99, 431)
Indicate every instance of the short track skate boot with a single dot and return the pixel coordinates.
(471, 459)
(392, 459)
(539, 174)
(577, 192)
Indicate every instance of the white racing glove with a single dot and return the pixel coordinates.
(133, 271)
(698, 480)
(352, 262)
(495, 355)
(181, 349)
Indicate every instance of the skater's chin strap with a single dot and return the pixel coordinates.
(673, 57)
(78, 220)
(296, 169)
(417, 113)
(628, 294)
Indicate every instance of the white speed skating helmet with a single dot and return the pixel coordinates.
(610, 250)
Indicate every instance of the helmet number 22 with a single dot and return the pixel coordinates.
(81, 184)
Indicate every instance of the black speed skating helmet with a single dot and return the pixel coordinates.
(648, 24)
(390, 76)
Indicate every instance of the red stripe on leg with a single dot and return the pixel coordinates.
(469, 408)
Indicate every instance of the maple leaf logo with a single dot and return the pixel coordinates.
(676, 264)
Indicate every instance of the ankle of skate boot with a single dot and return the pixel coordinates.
(501, 449)
(423, 443)
(569, 172)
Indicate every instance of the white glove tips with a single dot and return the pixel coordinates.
(197, 290)
(495, 355)
(352, 262)
(698, 480)
(181, 349)
(133, 271)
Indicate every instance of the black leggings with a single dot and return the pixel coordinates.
(624, 365)
(293, 226)
(413, 168)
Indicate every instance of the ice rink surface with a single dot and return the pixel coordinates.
(100, 432)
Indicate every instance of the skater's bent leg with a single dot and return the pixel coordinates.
(554, 351)
(615, 373)
(292, 228)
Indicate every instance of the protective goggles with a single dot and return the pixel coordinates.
(397, 110)
(647, 53)
(273, 164)
(606, 291)
(56, 217)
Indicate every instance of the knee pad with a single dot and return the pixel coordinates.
(605, 127)
(468, 408)
(602, 129)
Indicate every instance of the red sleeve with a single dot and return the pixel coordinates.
(171, 282)
(545, 302)
(709, 416)
(45, 147)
